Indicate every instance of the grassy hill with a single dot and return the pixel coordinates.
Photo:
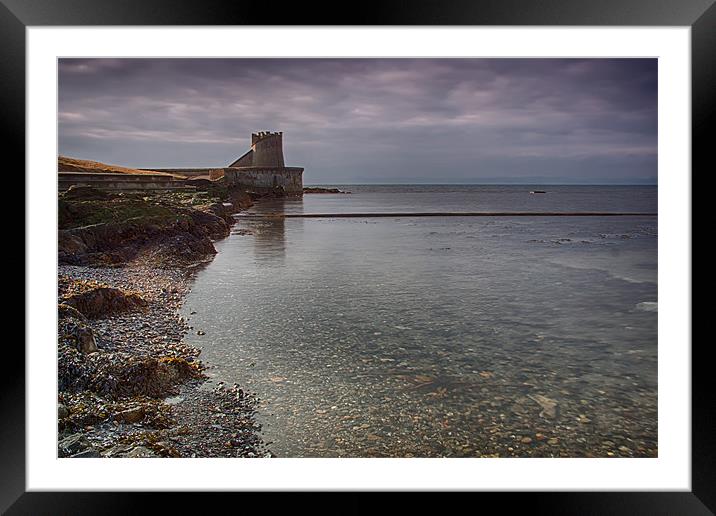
(66, 164)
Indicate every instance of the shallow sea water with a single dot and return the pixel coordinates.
(441, 336)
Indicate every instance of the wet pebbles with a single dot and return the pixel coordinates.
(194, 421)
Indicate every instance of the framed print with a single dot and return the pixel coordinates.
(418, 250)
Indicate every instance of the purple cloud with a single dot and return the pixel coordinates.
(372, 120)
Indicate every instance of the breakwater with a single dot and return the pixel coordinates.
(448, 214)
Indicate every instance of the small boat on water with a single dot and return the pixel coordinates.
(538, 191)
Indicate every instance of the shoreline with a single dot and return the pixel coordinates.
(129, 386)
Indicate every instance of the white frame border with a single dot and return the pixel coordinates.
(670, 471)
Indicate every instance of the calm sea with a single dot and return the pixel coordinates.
(441, 336)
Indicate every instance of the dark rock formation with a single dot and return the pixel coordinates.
(119, 230)
(115, 375)
(240, 199)
(321, 190)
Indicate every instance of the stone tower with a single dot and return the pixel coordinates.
(262, 167)
(266, 151)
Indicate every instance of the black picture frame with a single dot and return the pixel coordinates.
(700, 15)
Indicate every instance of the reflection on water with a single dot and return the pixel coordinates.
(270, 241)
(270, 234)
(438, 337)
(278, 205)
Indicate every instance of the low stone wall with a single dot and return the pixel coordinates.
(212, 173)
(120, 182)
(266, 178)
(260, 179)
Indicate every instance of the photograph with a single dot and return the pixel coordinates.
(357, 257)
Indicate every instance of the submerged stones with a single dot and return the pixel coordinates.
(549, 406)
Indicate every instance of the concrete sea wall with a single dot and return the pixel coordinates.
(120, 182)
(260, 178)
(213, 173)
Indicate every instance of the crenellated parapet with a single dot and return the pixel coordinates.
(261, 135)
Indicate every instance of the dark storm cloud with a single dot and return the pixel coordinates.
(371, 120)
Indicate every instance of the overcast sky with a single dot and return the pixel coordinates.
(372, 120)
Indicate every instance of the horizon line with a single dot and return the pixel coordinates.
(481, 184)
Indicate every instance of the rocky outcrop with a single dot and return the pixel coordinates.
(320, 190)
(143, 376)
(239, 199)
(122, 229)
(117, 375)
(95, 300)
(81, 367)
(277, 192)
(172, 229)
